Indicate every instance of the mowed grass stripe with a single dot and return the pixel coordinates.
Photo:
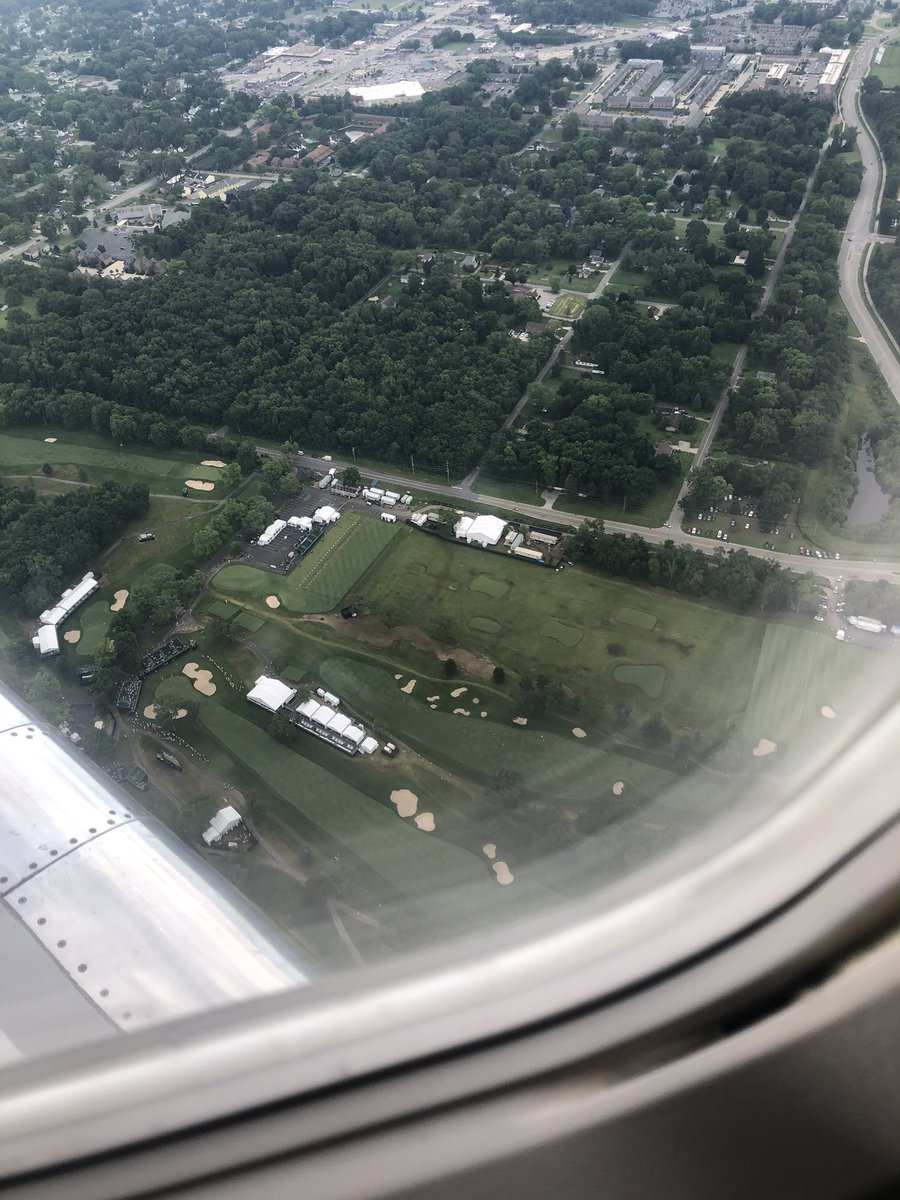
(409, 860)
(23, 454)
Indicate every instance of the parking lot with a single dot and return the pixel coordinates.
(281, 555)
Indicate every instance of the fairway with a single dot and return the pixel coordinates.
(560, 626)
(327, 573)
(557, 631)
(648, 678)
(249, 622)
(25, 451)
(93, 622)
(799, 673)
(636, 617)
(556, 767)
(223, 610)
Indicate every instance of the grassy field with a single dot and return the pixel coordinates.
(325, 576)
(90, 458)
(888, 70)
(652, 513)
(568, 306)
(507, 489)
(438, 586)
(800, 673)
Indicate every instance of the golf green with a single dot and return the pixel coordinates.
(249, 622)
(647, 677)
(559, 631)
(489, 585)
(484, 625)
(635, 617)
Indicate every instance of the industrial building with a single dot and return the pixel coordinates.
(382, 93)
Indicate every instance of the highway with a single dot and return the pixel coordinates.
(858, 238)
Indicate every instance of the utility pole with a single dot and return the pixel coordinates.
(412, 466)
(448, 472)
(354, 456)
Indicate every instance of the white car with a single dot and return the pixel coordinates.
(819, 617)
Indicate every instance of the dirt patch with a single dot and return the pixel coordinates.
(489, 850)
(199, 485)
(578, 732)
(764, 747)
(503, 873)
(520, 720)
(212, 462)
(426, 821)
(618, 788)
(119, 601)
(409, 688)
(202, 679)
(827, 711)
(50, 441)
(273, 602)
(73, 636)
(406, 802)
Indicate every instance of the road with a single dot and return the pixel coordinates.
(856, 569)
(858, 238)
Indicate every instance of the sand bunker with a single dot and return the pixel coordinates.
(476, 701)
(151, 710)
(432, 706)
(489, 850)
(578, 732)
(827, 711)
(73, 636)
(618, 788)
(520, 720)
(461, 712)
(50, 440)
(406, 801)
(409, 688)
(764, 747)
(484, 714)
(426, 821)
(202, 679)
(199, 485)
(503, 873)
(119, 602)
(433, 699)
(100, 724)
(398, 676)
(212, 462)
(457, 692)
(273, 602)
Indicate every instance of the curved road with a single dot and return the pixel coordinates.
(859, 238)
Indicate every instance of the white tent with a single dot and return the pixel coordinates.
(223, 822)
(354, 734)
(270, 693)
(46, 641)
(462, 526)
(270, 534)
(325, 515)
(368, 746)
(307, 708)
(295, 521)
(323, 715)
(69, 601)
(339, 723)
(485, 531)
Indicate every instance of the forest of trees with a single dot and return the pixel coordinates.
(737, 578)
(47, 543)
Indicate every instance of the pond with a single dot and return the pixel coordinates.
(871, 502)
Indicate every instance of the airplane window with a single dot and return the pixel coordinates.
(448, 505)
